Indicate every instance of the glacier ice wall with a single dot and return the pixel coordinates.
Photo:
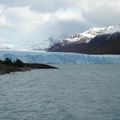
(58, 58)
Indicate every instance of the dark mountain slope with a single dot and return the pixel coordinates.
(105, 43)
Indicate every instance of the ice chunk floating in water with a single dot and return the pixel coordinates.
(58, 58)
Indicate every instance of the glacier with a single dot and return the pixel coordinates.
(58, 58)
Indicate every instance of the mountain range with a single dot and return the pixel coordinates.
(96, 40)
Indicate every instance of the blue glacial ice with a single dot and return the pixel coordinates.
(58, 58)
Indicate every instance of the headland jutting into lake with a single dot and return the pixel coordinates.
(8, 66)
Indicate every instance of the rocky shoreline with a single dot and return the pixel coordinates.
(8, 67)
(4, 69)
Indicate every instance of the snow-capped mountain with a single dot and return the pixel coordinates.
(94, 41)
(44, 46)
(112, 29)
(86, 36)
(92, 33)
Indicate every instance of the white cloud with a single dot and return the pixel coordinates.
(3, 21)
(28, 26)
(102, 12)
(26, 20)
(29, 21)
(5, 46)
(69, 15)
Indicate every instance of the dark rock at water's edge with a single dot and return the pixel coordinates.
(7, 66)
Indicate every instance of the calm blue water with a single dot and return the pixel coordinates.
(73, 92)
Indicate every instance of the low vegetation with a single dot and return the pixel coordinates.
(8, 66)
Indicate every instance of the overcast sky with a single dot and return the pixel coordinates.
(27, 22)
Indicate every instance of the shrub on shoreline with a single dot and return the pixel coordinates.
(17, 62)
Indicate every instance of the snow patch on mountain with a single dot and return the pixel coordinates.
(85, 37)
(43, 46)
(88, 35)
(112, 29)
(91, 33)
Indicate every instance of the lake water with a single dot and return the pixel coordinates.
(73, 92)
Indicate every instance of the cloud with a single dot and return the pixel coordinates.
(3, 21)
(102, 12)
(27, 20)
(28, 26)
(31, 21)
(5, 46)
(69, 15)
(23, 19)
